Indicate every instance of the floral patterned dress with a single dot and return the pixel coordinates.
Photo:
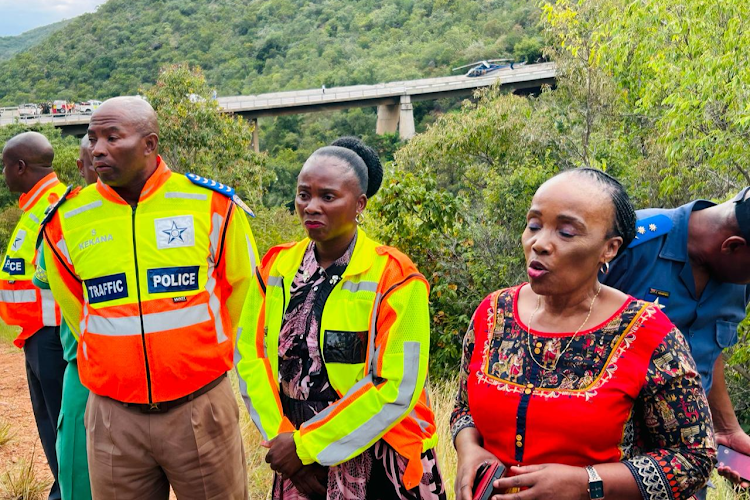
(306, 391)
(625, 391)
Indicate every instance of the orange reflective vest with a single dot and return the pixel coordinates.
(381, 299)
(153, 292)
(21, 303)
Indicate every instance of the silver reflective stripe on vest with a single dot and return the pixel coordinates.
(331, 408)
(82, 323)
(275, 281)
(422, 424)
(18, 296)
(49, 318)
(152, 323)
(341, 449)
(64, 250)
(187, 196)
(83, 208)
(254, 415)
(214, 304)
(33, 217)
(250, 253)
(40, 190)
(373, 332)
(362, 286)
(216, 221)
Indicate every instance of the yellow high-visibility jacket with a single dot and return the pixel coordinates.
(21, 303)
(381, 298)
(153, 293)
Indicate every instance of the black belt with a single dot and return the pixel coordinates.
(165, 406)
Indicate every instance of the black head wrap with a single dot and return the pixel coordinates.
(361, 158)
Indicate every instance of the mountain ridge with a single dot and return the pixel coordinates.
(12, 45)
(255, 46)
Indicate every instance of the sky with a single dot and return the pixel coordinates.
(17, 16)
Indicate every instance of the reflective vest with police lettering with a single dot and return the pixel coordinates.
(153, 292)
(374, 341)
(21, 303)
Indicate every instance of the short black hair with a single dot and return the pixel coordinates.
(625, 218)
(361, 158)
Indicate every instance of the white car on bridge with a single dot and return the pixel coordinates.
(27, 110)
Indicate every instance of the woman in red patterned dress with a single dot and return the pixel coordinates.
(607, 394)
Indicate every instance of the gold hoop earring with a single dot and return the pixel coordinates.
(359, 218)
(605, 268)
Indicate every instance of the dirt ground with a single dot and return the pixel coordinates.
(15, 407)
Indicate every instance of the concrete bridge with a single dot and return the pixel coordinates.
(393, 100)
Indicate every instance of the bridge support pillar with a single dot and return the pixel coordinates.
(256, 139)
(388, 115)
(406, 128)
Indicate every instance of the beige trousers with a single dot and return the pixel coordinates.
(196, 448)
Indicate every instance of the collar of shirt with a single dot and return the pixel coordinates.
(339, 265)
(28, 200)
(675, 244)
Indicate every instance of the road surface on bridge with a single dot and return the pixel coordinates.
(302, 101)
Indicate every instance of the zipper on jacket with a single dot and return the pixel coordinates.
(140, 310)
(283, 302)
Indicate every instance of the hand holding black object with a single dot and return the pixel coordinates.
(469, 461)
(561, 482)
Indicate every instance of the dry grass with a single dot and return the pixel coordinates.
(22, 483)
(6, 432)
(724, 490)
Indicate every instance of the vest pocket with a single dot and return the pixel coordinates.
(344, 347)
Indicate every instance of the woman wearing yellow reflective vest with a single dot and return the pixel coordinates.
(333, 346)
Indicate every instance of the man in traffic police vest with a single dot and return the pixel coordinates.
(27, 167)
(151, 269)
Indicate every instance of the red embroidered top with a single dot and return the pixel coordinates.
(625, 391)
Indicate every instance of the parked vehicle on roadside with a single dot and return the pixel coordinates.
(27, 110)
(60, 108)
(88, 107)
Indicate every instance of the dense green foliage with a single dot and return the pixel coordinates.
(12, 45)
(253, 46)
(634, 97)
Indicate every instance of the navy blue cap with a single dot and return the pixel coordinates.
(742, 213)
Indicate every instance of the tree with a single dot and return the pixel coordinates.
(195, 136)
(679, 66)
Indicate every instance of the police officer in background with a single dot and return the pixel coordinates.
(694, 261)
(73, 469)
(151, 269)
(27, 167)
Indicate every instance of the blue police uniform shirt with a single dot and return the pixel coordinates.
(657, 267)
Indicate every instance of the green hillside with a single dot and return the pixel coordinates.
(253, 46)
(12, 45)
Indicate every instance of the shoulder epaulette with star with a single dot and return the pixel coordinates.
(50, 212)
(227, 191)
(651, 227)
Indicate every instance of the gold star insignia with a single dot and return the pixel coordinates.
(652, 227)
(641, 230)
